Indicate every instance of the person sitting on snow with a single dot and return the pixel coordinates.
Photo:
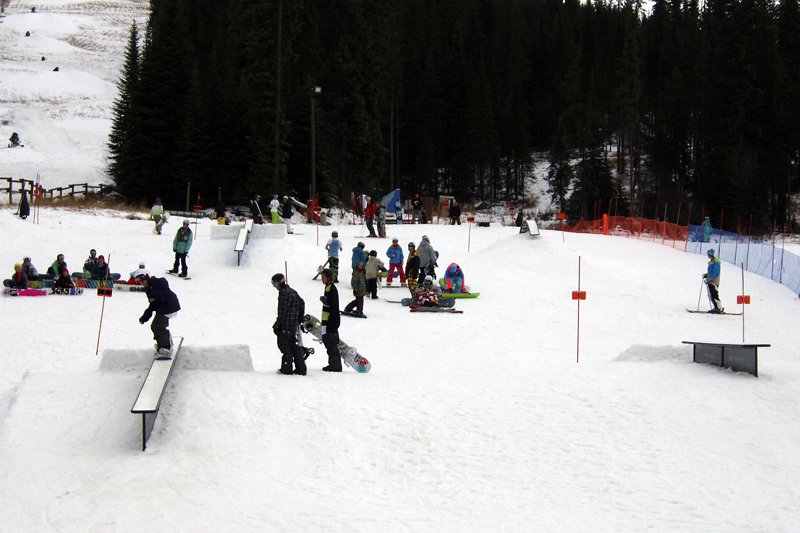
(18, 280)
(90, 263)
(100, 270)
(14, 139)
(429, 294)
(64, 281)
(454, 279)
(30, 270)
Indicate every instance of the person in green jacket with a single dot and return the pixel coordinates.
(181, 245)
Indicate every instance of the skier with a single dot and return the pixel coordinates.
(359, 255)
(157, 214)
(181, 245)
(455, 213)
(359, 284)
(164, 303)
(255, 210)
(287, 212)
(395, 254)
(90, 263)
(454, 279)
(429, 294)
(291, 311)
(333, 246)
(330, 322)
(274, 204)
(711, 278)
(30, 270)
(18, 279)
(373, 266)
(369, 216)
(427, 259)
(707, 230)
(412, 269)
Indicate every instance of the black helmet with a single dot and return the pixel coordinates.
(278, 280)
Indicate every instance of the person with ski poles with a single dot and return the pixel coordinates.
(711, 279)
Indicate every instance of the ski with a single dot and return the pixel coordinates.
(707, 313)
(321, 268)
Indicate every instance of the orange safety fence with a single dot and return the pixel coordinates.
(665, 233)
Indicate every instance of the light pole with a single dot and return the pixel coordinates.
(314, 91)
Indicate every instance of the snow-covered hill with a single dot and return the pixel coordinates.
(62, 117)
(475, 422)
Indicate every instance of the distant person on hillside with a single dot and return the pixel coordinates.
(157, 214)
(416, 210)
(455, 213)
(14, 140)
(286, 212)
(396, 257)
(412, 269)
(359, 255)
(91, 262)
(374, 265)
(181, 245)
(707, 230)
(64, 281)
(222, 215)
(58, 265)
(274, 212)
(333, 246)
(30, 270)
(24, 206)
(18, 279)
(255, 210)
(369, 216)
(427, 259)
(100, 270)
(711, 278)
(359, 283)
(380, 216)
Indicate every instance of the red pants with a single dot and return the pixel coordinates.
(399, 268)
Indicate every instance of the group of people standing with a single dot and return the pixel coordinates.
(276, 211)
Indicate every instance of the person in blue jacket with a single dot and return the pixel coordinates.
(181, 245)
(359, 255)
(454, 278)
(711, 278)
(164, 303)
(396, 258)
(333, 246)
(706, 230)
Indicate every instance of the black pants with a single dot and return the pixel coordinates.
(333, 263)
(290, 353)
(160, 329)
(370, 227)
(357, 304)
(331, 342)
(713, 294)
(428, 271)
(180, 258)
(372, 288)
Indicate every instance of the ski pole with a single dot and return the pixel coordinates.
(701, 294)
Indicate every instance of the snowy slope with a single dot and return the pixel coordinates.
(63, 117)
(475, 422)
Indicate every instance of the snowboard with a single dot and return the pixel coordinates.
(67, 291)
(24, 292)
(92, 283)
(177, 276)
(321, 268)
(353, 314)
(423, 309)
(39, 283)
(173, 352)
(349, 354)
(306, 351)
(388, 285)
(707, 313)
(458, 295)
(128, 287)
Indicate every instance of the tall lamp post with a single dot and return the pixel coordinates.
(314, 92)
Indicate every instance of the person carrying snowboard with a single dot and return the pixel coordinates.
(291, 311)
(711, 278)
(412, 269)
(333, 246)
(330, 320)
(164, 303)
(395, 254)
(157, 214)
(359, 283)
(374, 265)
(181, 245)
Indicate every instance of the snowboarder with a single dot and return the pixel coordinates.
(395, 254)
(64, 281)
(330, 322)
(24, 206)
(164, 303)
(286, 212)
(333, 246)
(427, 259)
(157, 214)
(707, 230)
(58, 265)
(454, 279)
(181, 245)
(274, 204)
(369, 217)
(18, 279)
(90, 263)
(412, 269)
(455, 213)
(30, 270)
(711, 278)
(429, 293)
(373, 266)
(359, 283)
(291, 312)
(255, 210)
(100, 270)
(359, 255)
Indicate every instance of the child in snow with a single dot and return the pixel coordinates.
(374, 265)
(164, 303)
(64, 281)
(454, 279)
(333, 246)
(181, 245)
(359, 283)
(18, 279)
(359, 255)
(395, 254)
(429, 294)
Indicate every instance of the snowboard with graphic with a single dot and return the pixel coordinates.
(349, 354)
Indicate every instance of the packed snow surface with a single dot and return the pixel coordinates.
(482, 421)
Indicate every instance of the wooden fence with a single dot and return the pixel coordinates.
(11, 190)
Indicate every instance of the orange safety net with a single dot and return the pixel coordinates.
(665, 233)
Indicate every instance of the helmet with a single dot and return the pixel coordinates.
(141, 273)
(186, 223)
(428, 280)
(334, 233)
(278, 280)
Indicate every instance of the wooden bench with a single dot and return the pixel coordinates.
(737, 357)
(242, 240)
(149, 400)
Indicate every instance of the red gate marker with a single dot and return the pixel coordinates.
(578, 295)
(743, 299)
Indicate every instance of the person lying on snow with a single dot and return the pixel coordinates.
(429, 294)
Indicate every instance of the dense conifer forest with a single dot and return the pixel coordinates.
(635, 112)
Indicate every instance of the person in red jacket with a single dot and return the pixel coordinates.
(369, 216)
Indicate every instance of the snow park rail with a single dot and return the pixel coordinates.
(757, 256)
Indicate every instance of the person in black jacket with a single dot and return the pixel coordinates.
(164, 303)
(330, 322)
(287, 211)
(291, 311)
